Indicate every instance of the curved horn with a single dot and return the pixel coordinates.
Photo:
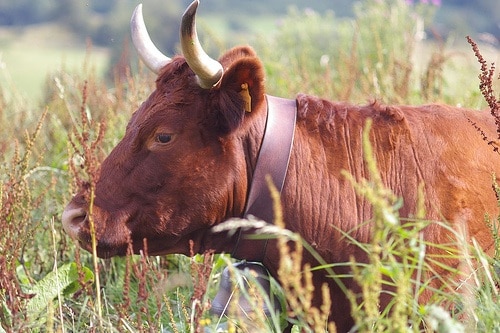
(208, 71)
(148, 52)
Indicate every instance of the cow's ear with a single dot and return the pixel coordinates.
(241, 92)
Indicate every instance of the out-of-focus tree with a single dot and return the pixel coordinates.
(482, 16)
(74, 15)
(22, 12)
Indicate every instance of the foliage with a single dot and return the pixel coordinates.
(105, 23)
(378, 55)
(483, 14)
(47, 151)
(63, 281)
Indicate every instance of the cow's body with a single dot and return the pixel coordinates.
(188, 155)
(433, 145)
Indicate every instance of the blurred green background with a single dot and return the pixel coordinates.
(40, 36)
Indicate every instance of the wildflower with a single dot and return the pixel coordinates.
(205, 321)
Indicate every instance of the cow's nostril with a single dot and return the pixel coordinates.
(72, 219)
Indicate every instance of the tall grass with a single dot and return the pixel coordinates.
(381, 54)
(48, 151)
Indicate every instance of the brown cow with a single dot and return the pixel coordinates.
(189, 155)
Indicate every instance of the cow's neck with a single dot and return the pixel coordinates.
(272, 162)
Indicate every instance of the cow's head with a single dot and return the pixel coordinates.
(185, 161)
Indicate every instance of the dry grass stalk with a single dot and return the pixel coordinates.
(486, 78)
(16, 205)
(297, 279)
(433, 78)
(85, 149)
(200, 274)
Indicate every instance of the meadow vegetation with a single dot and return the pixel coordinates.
(48, 285)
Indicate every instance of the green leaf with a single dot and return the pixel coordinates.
(64, 280)
(21, 273)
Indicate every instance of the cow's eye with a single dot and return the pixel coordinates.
(163, 138)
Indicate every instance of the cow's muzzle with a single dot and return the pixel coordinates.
(73, 219)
